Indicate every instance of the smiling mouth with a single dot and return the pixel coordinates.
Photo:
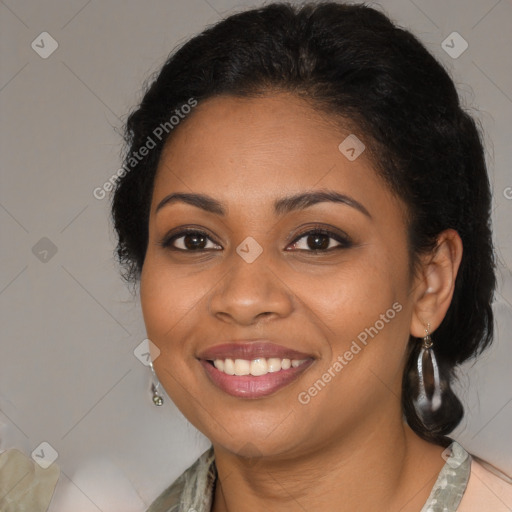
(256, 378)
(256, 367)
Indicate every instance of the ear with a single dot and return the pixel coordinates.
(434, 283)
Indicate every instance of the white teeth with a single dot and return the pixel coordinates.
(259, 367)
(242, 367)
(229, 367)
(273, 364)
(256, 367)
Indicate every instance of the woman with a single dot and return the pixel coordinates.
(306, 207)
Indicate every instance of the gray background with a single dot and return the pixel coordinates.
(68, 374)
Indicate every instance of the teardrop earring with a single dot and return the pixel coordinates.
(155, 387)
(429, 382)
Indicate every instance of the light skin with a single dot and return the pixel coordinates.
(348, 448)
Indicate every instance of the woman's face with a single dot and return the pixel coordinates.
(267, 277)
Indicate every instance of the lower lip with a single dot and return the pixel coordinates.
(249, 386)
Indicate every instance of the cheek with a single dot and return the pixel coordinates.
(362, 308)
(166, 297)
(352, 295)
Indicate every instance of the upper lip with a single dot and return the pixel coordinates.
(249, 350)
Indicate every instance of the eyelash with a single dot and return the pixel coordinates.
(344, 241)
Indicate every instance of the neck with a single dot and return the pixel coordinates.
(381, 468)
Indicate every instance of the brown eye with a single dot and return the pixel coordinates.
(320, 240)
(190, 241)
(194, 241)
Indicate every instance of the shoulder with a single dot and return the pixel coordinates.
(488, 489)
(193, 489)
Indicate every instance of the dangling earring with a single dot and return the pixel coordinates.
(429, 392)
(155, 386)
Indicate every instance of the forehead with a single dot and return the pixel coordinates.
(255, 148)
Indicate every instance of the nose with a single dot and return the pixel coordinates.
(250, 292)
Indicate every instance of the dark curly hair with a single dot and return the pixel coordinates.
(353, 63)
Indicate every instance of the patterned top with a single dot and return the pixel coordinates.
(194, 489)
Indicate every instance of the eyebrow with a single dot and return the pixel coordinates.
(281, 206)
